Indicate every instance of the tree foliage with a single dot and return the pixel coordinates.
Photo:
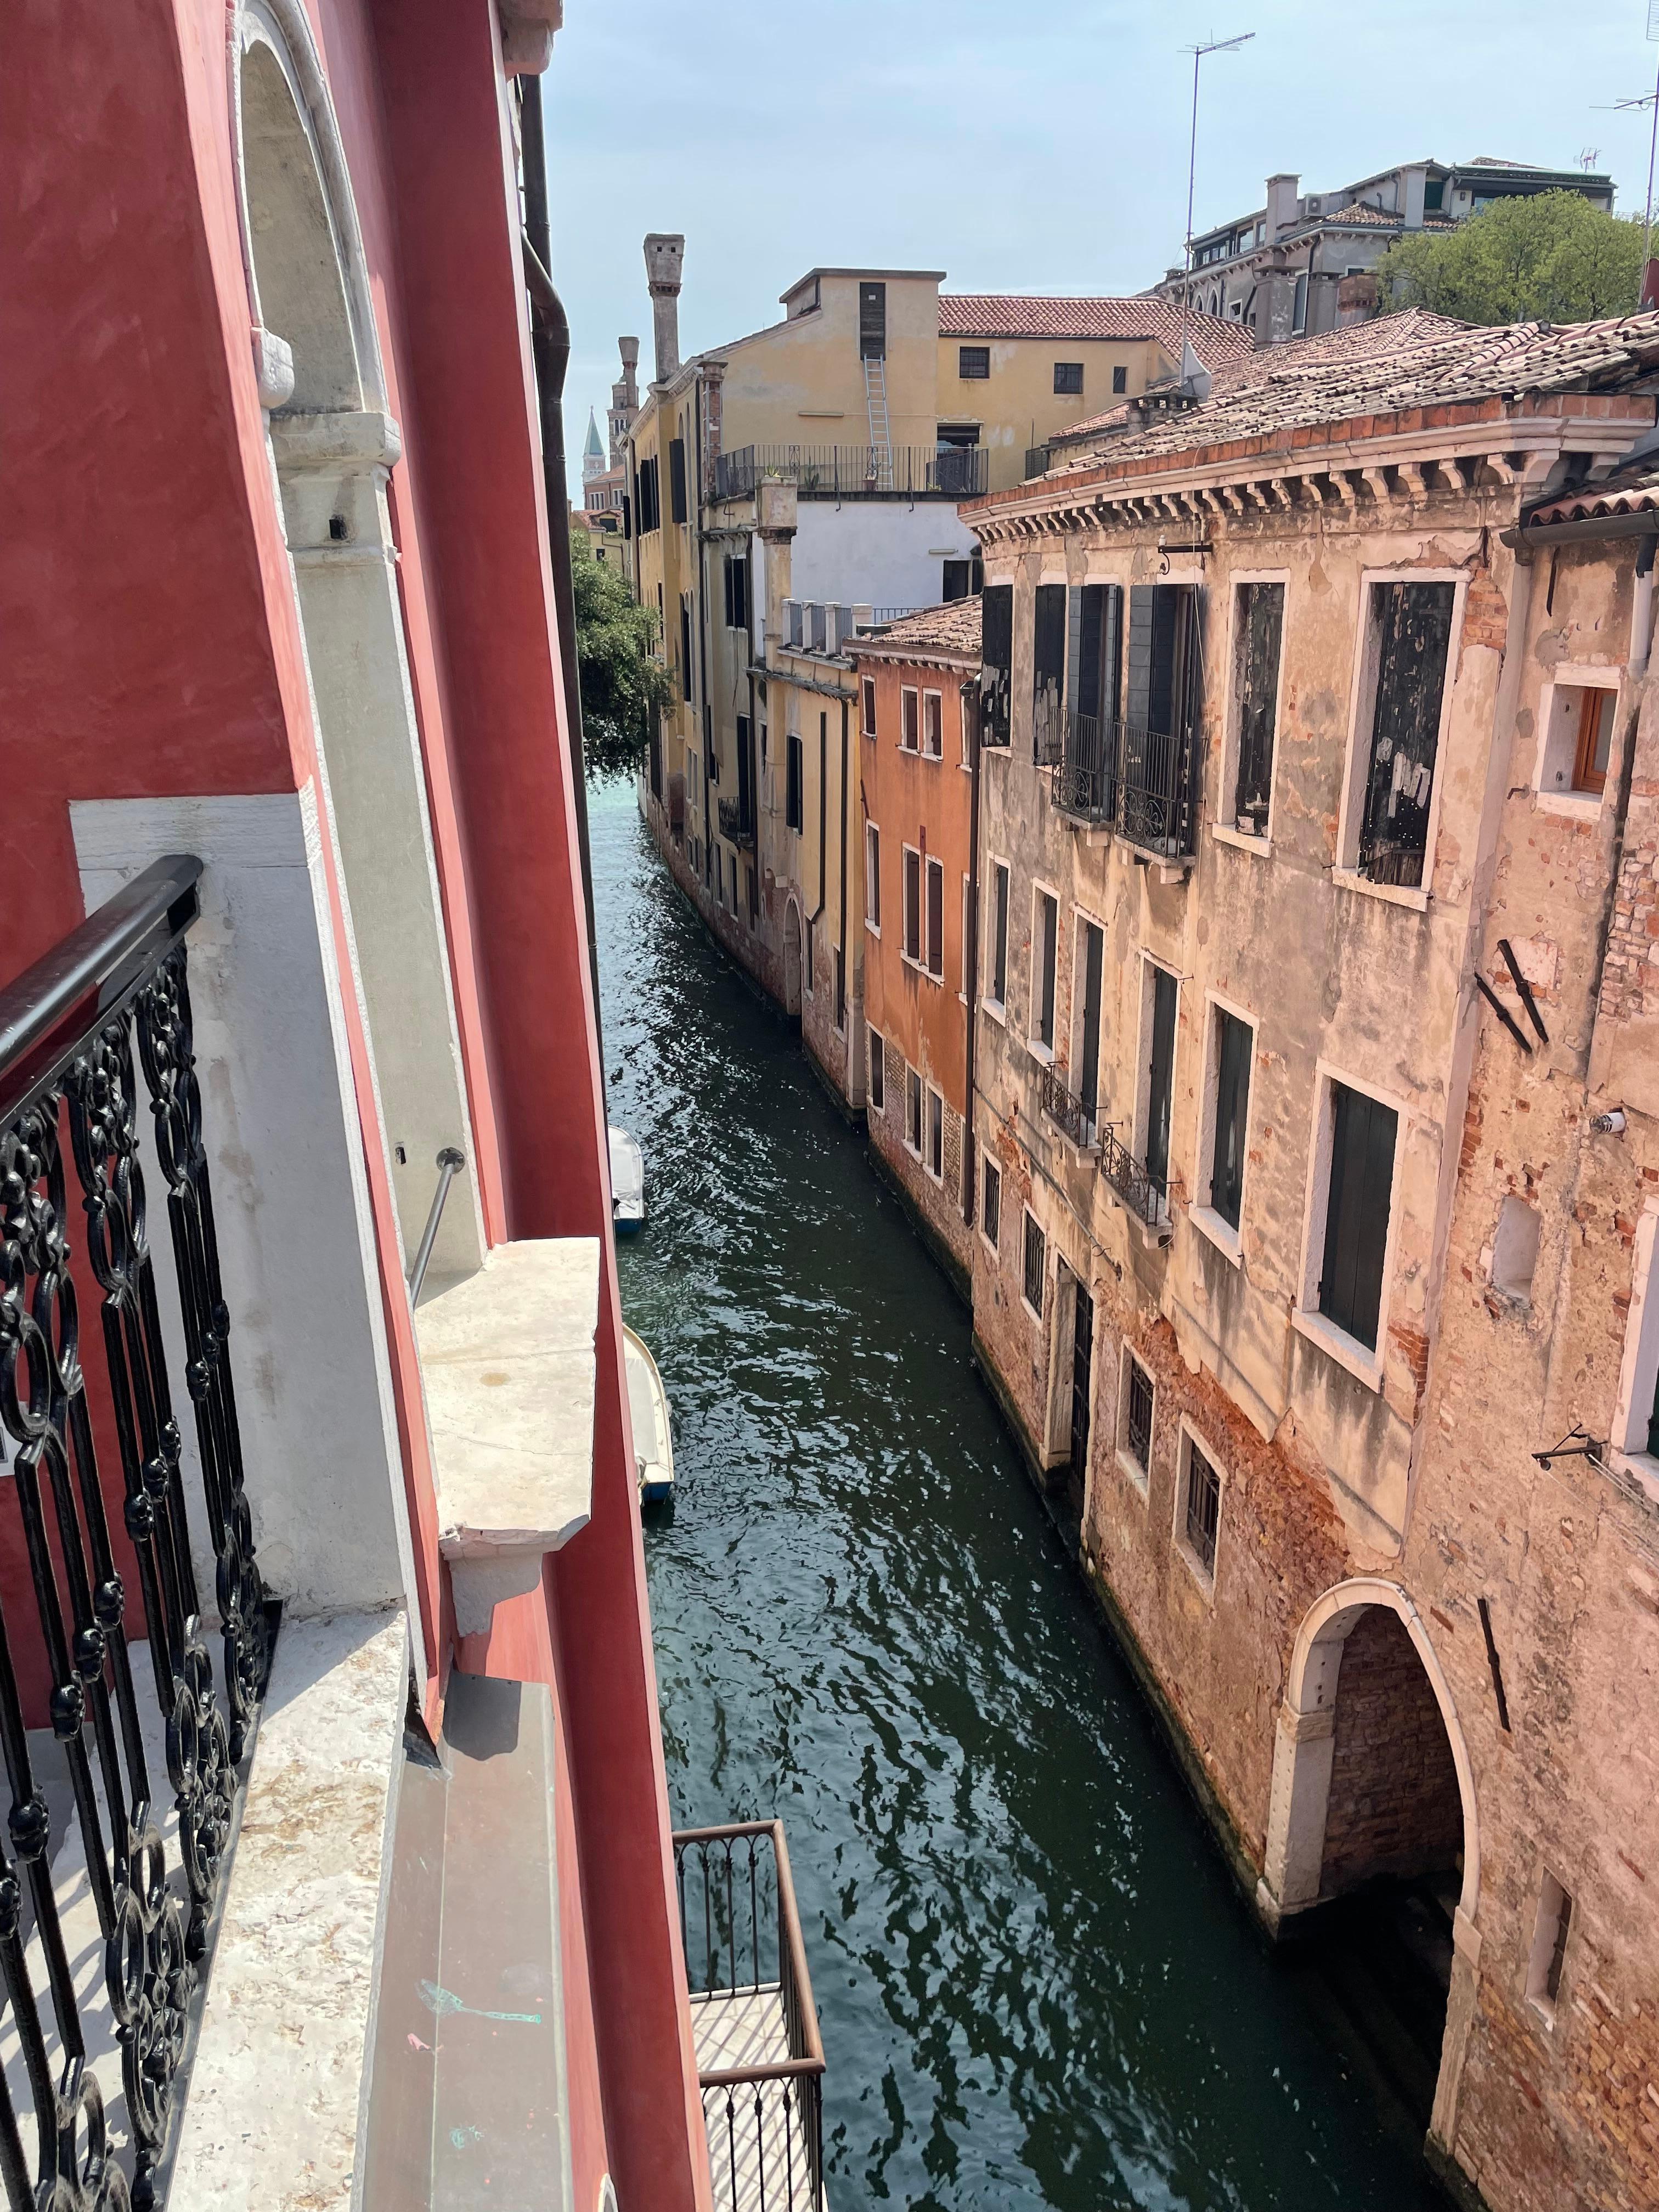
(1550, 258)
(622, 686)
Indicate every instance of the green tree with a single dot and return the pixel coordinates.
(1552, 259)
(622, 686)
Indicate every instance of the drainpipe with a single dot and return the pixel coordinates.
(1641, 637)
(969, 710)
(549, 341)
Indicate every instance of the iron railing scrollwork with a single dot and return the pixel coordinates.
(742, 1936)
(68, 1032)
(1140, 1192)
(737, 822)
(1143, 782)
(1066, 1110)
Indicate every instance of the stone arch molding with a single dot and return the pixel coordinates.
(1303, 1746)
(333, 447)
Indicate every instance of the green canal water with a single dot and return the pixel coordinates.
(1038, 1985)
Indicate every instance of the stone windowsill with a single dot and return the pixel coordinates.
(1391, 894)
(1347, 1351)
(1220, 1232)
(507, 1364)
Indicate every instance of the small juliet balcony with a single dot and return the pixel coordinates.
(760, 2058)
(737, 822)
(1069, 1114)
(1141, 782)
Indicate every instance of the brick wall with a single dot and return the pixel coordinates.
(1395, 1803)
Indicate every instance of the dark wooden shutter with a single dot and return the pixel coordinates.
(1074, 646)
(791, 804)
(1046, 1012)
(913, 905)
(935, 918)
(677, 479)
(1160, 1088)
(996, 661)
(1262, 619)
(745, 772)
(1083, 1340)
(1413, 624)
(1089, 1075)
(1363, 1133)
(1232, 1099)
(1000, 978)
(1137, 709)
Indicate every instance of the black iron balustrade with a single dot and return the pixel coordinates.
(737, 822)
(112, 999)
(763, 2094)
(1066, 1110)
(1156, 800)
(1143, 1195)
(837, 472)
(1086, 785)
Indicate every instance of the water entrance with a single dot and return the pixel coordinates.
(1039, 1987)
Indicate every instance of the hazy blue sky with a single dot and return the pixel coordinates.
(1020, 148)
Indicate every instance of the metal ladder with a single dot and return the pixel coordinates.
(881, 434)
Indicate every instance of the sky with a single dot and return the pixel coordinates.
(1018, 148)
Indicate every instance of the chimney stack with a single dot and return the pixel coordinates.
(629, 350)
(1281, 203)
(664, 255)
(1414, 189)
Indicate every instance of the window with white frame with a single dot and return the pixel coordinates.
(1575, 743)
(867, 706)
(1045, 934)
(1036, 1266)
(997, 982)
(1225, 1127)
(933, 725)
(935, 1162)
(1198, 1502)
(966, 931)
(877, 1085)
(1160, 1001)
(909, 723)
(990, 1207)
(1088, 984)
(912, 1110)
(1134, 1425)
(912, 904)
(1407, 647)
(1636, 1415)
(872, 876)
(936, 918)
(1258, 652)
(1354, 1160)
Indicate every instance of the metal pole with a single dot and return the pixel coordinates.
(450, 1163)
(1647, 224)
(1191, 176)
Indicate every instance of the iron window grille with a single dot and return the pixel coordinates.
(1068, 377)
(973, 363)
(1203, 1507)
(990, 1218)
(912, 1110)
(1120, 379)
(1037, 1254)
(1261, 642)
(878, 1074)
(1412, 636)
(1138, 1416)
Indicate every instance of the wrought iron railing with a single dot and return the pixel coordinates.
(1143, 1195)
(1066, 1110)
(115, 1678)
(855, 471)
(1156, 801)
(737, 822)
(1086, 785)
(760, 2058)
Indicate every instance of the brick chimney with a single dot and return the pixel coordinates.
(664, 253)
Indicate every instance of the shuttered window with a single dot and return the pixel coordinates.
(1363, 1134)
(1000, 936)
(1093, 949)
(1412, 627)
(913, 1110)
(1203, 1507)
(677, 479)
(1047, 671)
(1233, 1043)
(1043, 961)
(1036, 1256)
(996, 662)
(912, 904)
(935, 1136)
(795, 760)
(1160, 1083)
(935, 918)
(878, 1074)
(990, 1218)
(907, 720)
(933, 725)
(737, 592)
(873, 875)
(867, 706)
(1260, 640)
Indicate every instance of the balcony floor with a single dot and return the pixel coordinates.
(738, 2028)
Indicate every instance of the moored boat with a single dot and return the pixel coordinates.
(648, 1406)
(627, 1183)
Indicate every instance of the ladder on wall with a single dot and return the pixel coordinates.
(881, 434)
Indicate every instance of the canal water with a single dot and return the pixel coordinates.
(1038, 1985)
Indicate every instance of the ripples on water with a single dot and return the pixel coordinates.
(1037, 1985)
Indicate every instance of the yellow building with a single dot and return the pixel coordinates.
(1015, 368)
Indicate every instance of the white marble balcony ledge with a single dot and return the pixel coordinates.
(509, 1367)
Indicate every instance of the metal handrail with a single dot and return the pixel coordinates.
(1066, 1110)
(1128, 1176)
(450, 1162)
(840, 472)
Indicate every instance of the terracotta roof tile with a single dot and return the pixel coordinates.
(1631, 489)
(1039, 315)
(952, 628)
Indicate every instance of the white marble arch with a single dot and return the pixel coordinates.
(334, 444)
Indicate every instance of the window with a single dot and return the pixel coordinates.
(962, 579)
(1549, 1946)
(1036, 1256)
(908, 722)
(794, 781)
(933, 725)
(996, 663)
(1202, 1515)
(1043, 937)
(1048, 673)
(1515, 1249)
(677, 506)
(935, 1136)
(1410, 637)
(1086, 984)
(685, 646)
(966, 933)
(1234, 1043)
(872, 322)
(1258, 638)
(912, 903)
(973, 362)
(912, 1110)
(873, 876)
(1577, 740)
(1000, 933)
(1120, 380)
(1137, 1439)
(1357, 1203)
(990, 1211)
(936, 918)
(867, 706)
(646, 503)
(878, 1075)
(736, 591)
(1159, 1001)
(1299, 305)
(1068, 376)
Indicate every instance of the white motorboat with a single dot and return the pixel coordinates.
(627, 1183)
(648, 1408)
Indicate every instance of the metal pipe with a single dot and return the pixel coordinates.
(449, 1163)
(549, 339)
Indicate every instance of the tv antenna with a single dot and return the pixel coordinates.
(1214, 45)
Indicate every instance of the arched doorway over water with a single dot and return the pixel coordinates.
(791, 961)
(1373, 1822)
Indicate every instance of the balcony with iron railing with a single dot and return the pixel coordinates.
(737, 822)
(1141, 782)
(1070, 1114)
(760, 2058)
(838, 472)
(1144, 1194)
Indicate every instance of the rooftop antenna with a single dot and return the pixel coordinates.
(1648, 100)
(1214, 45)
(1588, 158)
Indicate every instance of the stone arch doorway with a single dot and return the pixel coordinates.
(333, 445)
(1374, 1821)
(791, 961)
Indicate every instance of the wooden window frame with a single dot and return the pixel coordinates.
(908, 853)
(1366, 1366)
(1560, 765)
(909, 740)
(1638, 1372)
(1224, 825)
(932, 712)
(867, 706)
(913, 1095)
(990, 1205)
(1139, 1471)
(933, 1134)
(934, 947)
(1040, 978)
(998, 890)
(872, 879)
(1203, 1213)
(876, 1084)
